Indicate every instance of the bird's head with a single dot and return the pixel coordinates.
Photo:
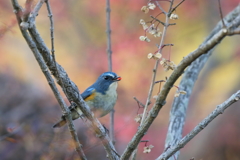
(106, 80)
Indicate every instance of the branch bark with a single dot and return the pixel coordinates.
(44, 68)
(179, 106)
(219, 110)
(70, 89)
(109, 53)
(161, 99)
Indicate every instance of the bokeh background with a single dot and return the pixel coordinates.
(28, 108)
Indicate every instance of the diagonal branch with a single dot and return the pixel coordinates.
(161, 99)
(71, 91)
(179, 106)
(219, 110)
(50, 80)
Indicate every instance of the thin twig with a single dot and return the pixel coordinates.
(72, 129)
(109, 53)
(161, 99)
(72, 91)
(221, 15)
(219, 110)
(127, 152)
(176, 7)
(180, 105)
(108, 31)
(46, 72)
(159, 6)
(234, 32)
(158, 20)
(139, 102)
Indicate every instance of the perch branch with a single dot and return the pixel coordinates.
(49, 78)
(71, 91)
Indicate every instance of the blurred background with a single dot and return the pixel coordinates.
(28, 108)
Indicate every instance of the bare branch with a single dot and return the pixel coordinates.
(219, 110)
(159, 6)
(70, 125)
(179, 107)
(221, 15)
(72, 91)
(109, 53)
(138, 102)
(173, 9)
(108, 31)
(161, 99)
(51, 82)
(234, 32)
(131, 148)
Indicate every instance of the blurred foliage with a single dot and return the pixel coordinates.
(27, 106)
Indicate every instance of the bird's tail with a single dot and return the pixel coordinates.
(75, 112)
(60, 123)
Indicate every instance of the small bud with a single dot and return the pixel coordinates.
(163, 61)
(151, 6)
(145, 26)
(148, 149)
(174, 16)
(158, 34)
(142, 22)
(158, 55)
(177, 94)
(182, 92)
(142, 38)
(147, 39)
(145, 9)
(150, 55)
(138, 118)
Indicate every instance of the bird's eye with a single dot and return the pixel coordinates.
(106, 78)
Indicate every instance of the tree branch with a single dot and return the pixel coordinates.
(180, 104)
(161, 99)
(50, 80)
(109, 53)
(133, 150)
(219, 110)
(71, 91)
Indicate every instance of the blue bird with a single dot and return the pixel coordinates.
(100, 97)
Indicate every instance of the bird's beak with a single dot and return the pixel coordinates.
(118, 79)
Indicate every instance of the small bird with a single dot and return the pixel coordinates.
(100, 97)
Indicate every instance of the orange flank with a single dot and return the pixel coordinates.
(91, 97)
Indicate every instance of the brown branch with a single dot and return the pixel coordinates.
(173, 9)
(44, 68)
(161, 99)
(219, 110)
(109, 53)
(132, 146)
(159, 6)
(221, 15)
(72, 129)
(72, 91)
(140, 103)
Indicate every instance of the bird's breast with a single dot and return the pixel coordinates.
(104, 103)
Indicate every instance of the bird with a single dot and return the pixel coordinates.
(101, 97)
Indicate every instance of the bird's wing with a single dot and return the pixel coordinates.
(88, 94)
